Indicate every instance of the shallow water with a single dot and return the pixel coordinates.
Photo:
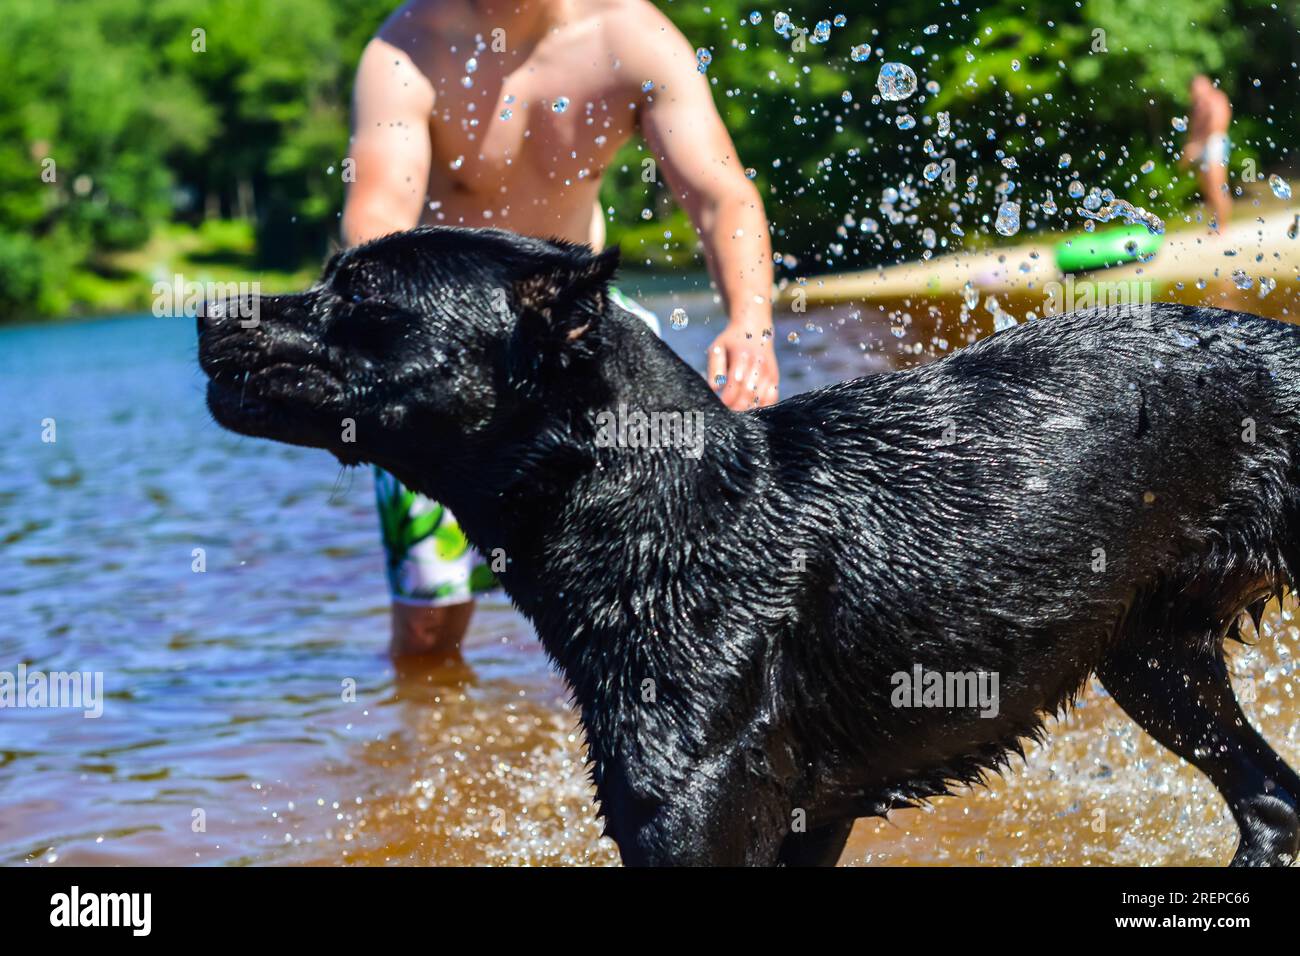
(226, 737)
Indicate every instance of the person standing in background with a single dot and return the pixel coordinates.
(506, 113)
(1208, 146)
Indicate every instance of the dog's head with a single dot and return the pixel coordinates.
(420, 343)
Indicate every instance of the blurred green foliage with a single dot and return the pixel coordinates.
(115, 124)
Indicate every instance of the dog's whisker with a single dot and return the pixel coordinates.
(333, 495)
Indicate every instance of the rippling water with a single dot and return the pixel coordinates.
(226, 736)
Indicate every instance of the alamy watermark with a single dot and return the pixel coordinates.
(1068, 297)
(659, 429)
(133, 911)
(953, 690)
(71, 690)
(181, 298)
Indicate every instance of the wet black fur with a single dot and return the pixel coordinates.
(947, 516)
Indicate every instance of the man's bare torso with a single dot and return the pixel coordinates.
(524, 146)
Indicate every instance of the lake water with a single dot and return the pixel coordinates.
(225, 736)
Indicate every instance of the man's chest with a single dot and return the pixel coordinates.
(492, 119)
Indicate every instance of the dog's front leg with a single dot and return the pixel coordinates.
(706, 823)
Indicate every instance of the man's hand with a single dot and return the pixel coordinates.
(744, 355)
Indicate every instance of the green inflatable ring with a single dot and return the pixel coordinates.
(1106, 247)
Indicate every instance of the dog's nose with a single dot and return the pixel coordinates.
(244, 307)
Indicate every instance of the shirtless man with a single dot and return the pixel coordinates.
(506, 113)
(1207, 146)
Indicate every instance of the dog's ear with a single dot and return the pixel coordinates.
(569, 295)
(559, 308)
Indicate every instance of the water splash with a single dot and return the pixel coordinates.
(1133, 215)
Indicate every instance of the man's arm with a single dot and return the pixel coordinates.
(390, 145)
(686, 135)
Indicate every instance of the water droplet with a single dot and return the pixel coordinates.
(861, 52)
(755, 18)
(1281, 188)
(945, 124)
(793, 338)
(702, 60)
(970, 295)
(561, 104)
(1179, 123)
(1008, 221)
(897, 81)
(466, 82)
(781, 24)
(679, 319)
(457, 162)
(821, 31)
(1241, 280)
(506, 114)
(840, 19)
(1148, 166)
(471, 65)
(647, 214)
(1266, 285)
(931, 30)
(931, 172)
(750, 172)
(1075, 189)
(647, 86)
(846, 96)
(1064, 161)
(906, 121)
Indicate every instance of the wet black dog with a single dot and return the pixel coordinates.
(844, 603)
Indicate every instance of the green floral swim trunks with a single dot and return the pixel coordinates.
(429, 562)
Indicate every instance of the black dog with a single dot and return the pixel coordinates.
(740, 618)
